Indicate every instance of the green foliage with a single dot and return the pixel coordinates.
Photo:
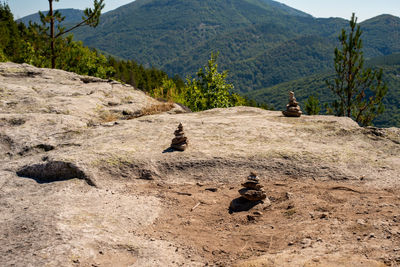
(261, 44)
(91, 18)
(29, 44)
(276, 96)
(210, 89)
(80, 59)
(9, 37)
(360, 91)
(312, 105)
(3, 57)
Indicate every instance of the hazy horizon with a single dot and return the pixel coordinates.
(364, 9)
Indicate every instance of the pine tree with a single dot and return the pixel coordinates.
(312, 106)
(360, 91)
(210, 89)
(91, 18)
(9, 34)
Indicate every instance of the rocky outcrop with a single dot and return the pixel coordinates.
(61, 132)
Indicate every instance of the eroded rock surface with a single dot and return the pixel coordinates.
(60, 132)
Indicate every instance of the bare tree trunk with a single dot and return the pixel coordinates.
(53, 56)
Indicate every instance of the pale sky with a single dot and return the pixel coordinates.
(364, 9)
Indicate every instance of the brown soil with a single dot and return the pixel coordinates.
(303, 216)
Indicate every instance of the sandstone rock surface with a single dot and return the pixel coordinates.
(75, 187)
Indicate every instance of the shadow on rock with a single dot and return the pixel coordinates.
(241, 204)
(168, 150)
(54, 171)
(171, 149)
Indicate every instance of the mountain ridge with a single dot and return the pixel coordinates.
(71, 15)
(258, 41)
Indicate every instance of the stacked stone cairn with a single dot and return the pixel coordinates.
(293, 108)
(252, 190)
(180, 141)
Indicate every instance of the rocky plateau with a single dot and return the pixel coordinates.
(87, 178)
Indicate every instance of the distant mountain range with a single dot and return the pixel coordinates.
(262, 43)
(71, 15)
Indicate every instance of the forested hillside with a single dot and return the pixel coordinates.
(315, 85)
(31, 44)
(265, 45)
(261, 42)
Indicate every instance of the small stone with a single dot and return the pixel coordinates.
(361, 222)
(250, 218)
(289, 195)
(212, 189)
(252, 185)
(306, 242)
(323, 216)
(252, 195)
(371, 235)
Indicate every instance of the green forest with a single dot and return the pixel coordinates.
(265, 50)
(31, 44)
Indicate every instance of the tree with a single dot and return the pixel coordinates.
(210, 89)
(312, 106)
(9, 34)
(91, 18)
(360, 91)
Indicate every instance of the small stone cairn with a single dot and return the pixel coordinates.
(180, 141)
(293, 108)
(252, 190)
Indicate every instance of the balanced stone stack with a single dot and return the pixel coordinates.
(293, 108)
(180, 141)
(252, 190)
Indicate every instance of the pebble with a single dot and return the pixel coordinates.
(371, 235)
(212, 189)
(361, 221)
